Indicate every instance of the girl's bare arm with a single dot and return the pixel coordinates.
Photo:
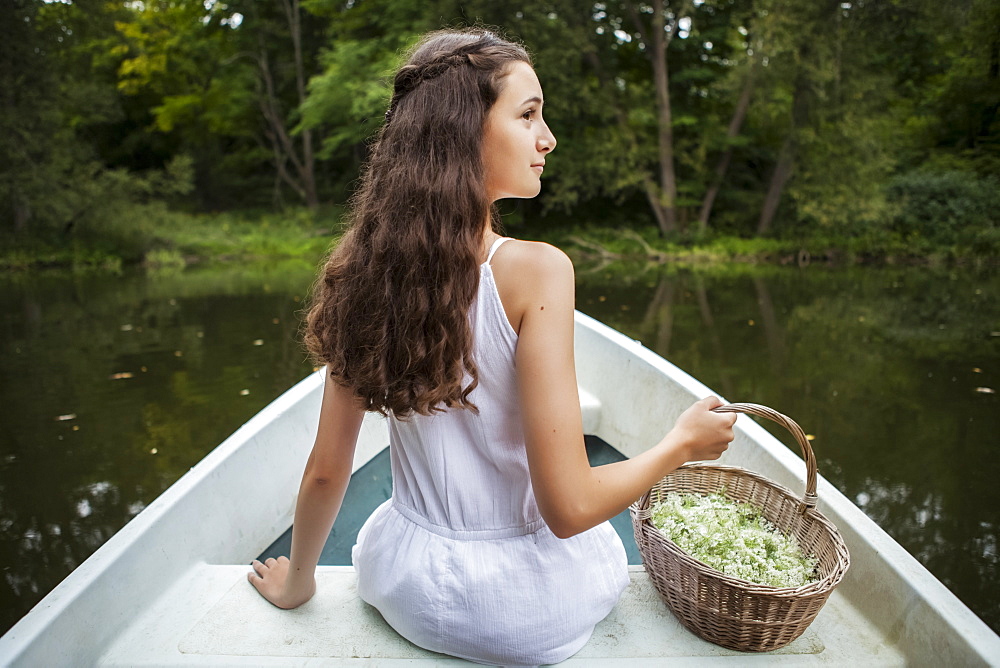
(572, 496)
(290, 583)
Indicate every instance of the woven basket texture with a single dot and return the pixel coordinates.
(728, 611)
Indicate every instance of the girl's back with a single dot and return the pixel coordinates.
(460, 560)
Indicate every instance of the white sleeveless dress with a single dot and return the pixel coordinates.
(459, 559)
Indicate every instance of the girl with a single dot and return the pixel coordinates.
(495, 545)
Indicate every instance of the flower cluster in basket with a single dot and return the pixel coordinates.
(733, 538)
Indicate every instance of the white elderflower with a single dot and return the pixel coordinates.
(733, 538)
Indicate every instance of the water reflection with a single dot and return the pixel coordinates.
(150, 372)
(113, 387)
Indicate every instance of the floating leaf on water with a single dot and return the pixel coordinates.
(976, 369)
(126, 328)
(121, 375)
(142, 369)
(201, 335)
(986, 390)
(624, 307)
(751, 322)
(153, 451)
(68, 416)
(994, 333)
(861, 318)
(178, 353)
(317, 368)
(258, 342)
(810, 437)
(173, 302)
(244, 392)
(76, 427)
(601, 298)
(275, 321)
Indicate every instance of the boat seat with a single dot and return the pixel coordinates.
(228, 623)
(590, 409)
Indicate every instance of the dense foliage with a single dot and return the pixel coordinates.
(873, 119)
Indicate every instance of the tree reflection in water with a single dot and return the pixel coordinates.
(113, 387)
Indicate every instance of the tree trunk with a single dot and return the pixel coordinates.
(662, 196)
(665, 135)
(22, 214)
(302, 176)
(307, 171)
(782, 172)
(649, 185)
(786, 157)
(653, 197)
(989, 113)
(739, 115)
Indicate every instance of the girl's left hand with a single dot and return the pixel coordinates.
(270, 579)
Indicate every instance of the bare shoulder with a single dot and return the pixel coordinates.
(529, 273)
(532, 260)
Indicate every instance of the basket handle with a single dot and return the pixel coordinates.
(809, 498)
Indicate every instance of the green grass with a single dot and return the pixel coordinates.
(166, 240)
(603, 244)
(163, 240)
(242, 236)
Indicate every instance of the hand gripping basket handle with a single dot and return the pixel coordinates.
(809, 498)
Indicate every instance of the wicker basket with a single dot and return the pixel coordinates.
(728, 611)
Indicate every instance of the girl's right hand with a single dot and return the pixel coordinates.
(270, 578)
(704, 435)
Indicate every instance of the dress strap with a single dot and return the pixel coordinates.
(494, 247)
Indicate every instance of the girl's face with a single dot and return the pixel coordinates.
(516, 138)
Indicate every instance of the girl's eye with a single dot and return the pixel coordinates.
(528, 114)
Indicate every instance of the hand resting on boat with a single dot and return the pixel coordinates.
(270, 578)
(290, 583)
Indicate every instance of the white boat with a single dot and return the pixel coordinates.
(170, 588)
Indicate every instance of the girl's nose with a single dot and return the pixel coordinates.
(547, 142)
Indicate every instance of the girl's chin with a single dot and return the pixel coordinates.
(524, 194)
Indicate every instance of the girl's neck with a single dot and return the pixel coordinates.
(489, 237)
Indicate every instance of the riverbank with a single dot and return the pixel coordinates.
(645, 245)
(169, 240)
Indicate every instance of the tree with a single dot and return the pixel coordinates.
(281, 112)
(348, 96)
(226, 81)
(662, 195)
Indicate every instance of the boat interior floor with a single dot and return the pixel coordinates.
(213, 616)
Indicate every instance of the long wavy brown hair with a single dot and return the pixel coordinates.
(389, 313)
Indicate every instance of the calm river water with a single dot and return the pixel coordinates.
(111, 387)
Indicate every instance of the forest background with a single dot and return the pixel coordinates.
(172, 131)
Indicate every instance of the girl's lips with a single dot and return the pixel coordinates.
(538, 167)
